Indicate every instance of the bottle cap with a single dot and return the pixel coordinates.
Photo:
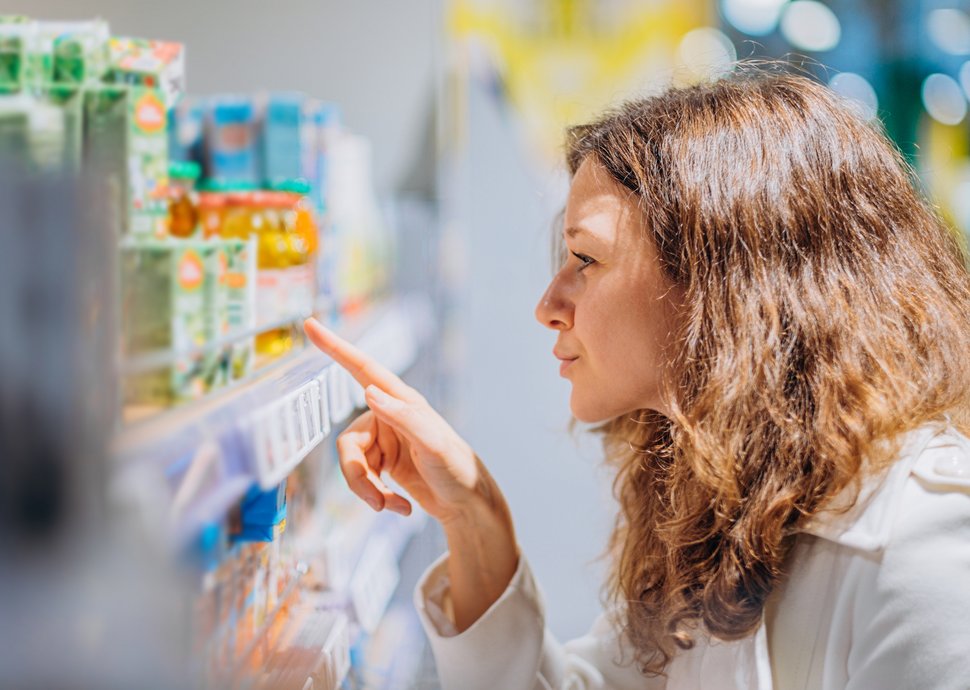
(219, 184)
(184, 170)
(293, 186)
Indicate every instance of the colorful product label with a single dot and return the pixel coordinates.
(191, 271)
(149, 113)
(232, 148)
(168, 294)
(147, 162)
(284, 294)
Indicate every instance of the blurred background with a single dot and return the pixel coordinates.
(184, 182)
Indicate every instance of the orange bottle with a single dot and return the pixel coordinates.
(183, 203)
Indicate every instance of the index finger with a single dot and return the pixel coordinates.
(362, 367)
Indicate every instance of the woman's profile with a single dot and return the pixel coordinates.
(769, 326)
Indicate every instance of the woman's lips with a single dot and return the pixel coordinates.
(565, 362)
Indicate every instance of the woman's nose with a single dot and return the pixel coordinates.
(553, 311)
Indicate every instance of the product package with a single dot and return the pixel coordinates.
(43, 69)
(63, 53)
(14, 32)
(186, 123)
(167, 290)
(236, 315)
(358, 231)
(232, 152)
(126, 142)
(326, 125)
(281, 133)
(183, 201)
(153, 64)
(262, 512)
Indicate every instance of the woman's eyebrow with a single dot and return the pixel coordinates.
(575, 230)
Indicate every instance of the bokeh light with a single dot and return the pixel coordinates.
(810, 25)
(965, 78)
(858, 92)
(706, 52)
(753, 17)
(960, 197)
(949, 29)
(943, 99)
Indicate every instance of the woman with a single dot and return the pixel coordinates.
(770, 327)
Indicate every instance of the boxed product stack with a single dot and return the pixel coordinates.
(238, 216)
(292, 143)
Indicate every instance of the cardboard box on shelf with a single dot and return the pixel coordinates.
(167, 294)
(127, 144)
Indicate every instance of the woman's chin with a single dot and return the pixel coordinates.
(588, 414)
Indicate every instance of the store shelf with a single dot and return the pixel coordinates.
(207, 454)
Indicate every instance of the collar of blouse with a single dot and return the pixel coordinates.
(934, 453)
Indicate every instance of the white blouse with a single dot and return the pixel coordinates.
(878, 599)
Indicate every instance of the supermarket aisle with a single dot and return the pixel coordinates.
(243, 161)
(213, 225)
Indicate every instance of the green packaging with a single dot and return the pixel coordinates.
(216, 311)
(66, 53)
(240, 306)
(13, 54)
(194, 297)
(127, 145)
(232, 312)
(167, 290)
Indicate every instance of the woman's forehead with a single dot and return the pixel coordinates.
(597, 205)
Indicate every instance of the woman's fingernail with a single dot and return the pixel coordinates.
(373, 503)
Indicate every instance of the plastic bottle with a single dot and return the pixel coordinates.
(274, 258)
(183, 202)
(302, 241)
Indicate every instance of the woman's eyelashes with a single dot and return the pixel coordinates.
(586, 261)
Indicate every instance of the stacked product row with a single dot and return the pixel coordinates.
(238, 216)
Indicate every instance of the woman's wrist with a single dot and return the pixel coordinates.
(483, 501)
(483, 552)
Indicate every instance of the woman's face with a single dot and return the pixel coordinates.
(613, 308)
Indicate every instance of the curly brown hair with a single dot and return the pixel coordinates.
(827, 312)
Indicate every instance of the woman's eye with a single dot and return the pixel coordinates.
(586, 261)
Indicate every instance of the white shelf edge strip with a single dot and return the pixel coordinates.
(285, 430)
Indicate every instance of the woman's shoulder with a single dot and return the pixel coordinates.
(929, 481)
(943, 466)
(934, 505)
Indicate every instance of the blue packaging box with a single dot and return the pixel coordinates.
(232, 153)
(281, 137)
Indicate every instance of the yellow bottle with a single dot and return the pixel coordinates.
(247, 214)
(274, 258)
(302, 241)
